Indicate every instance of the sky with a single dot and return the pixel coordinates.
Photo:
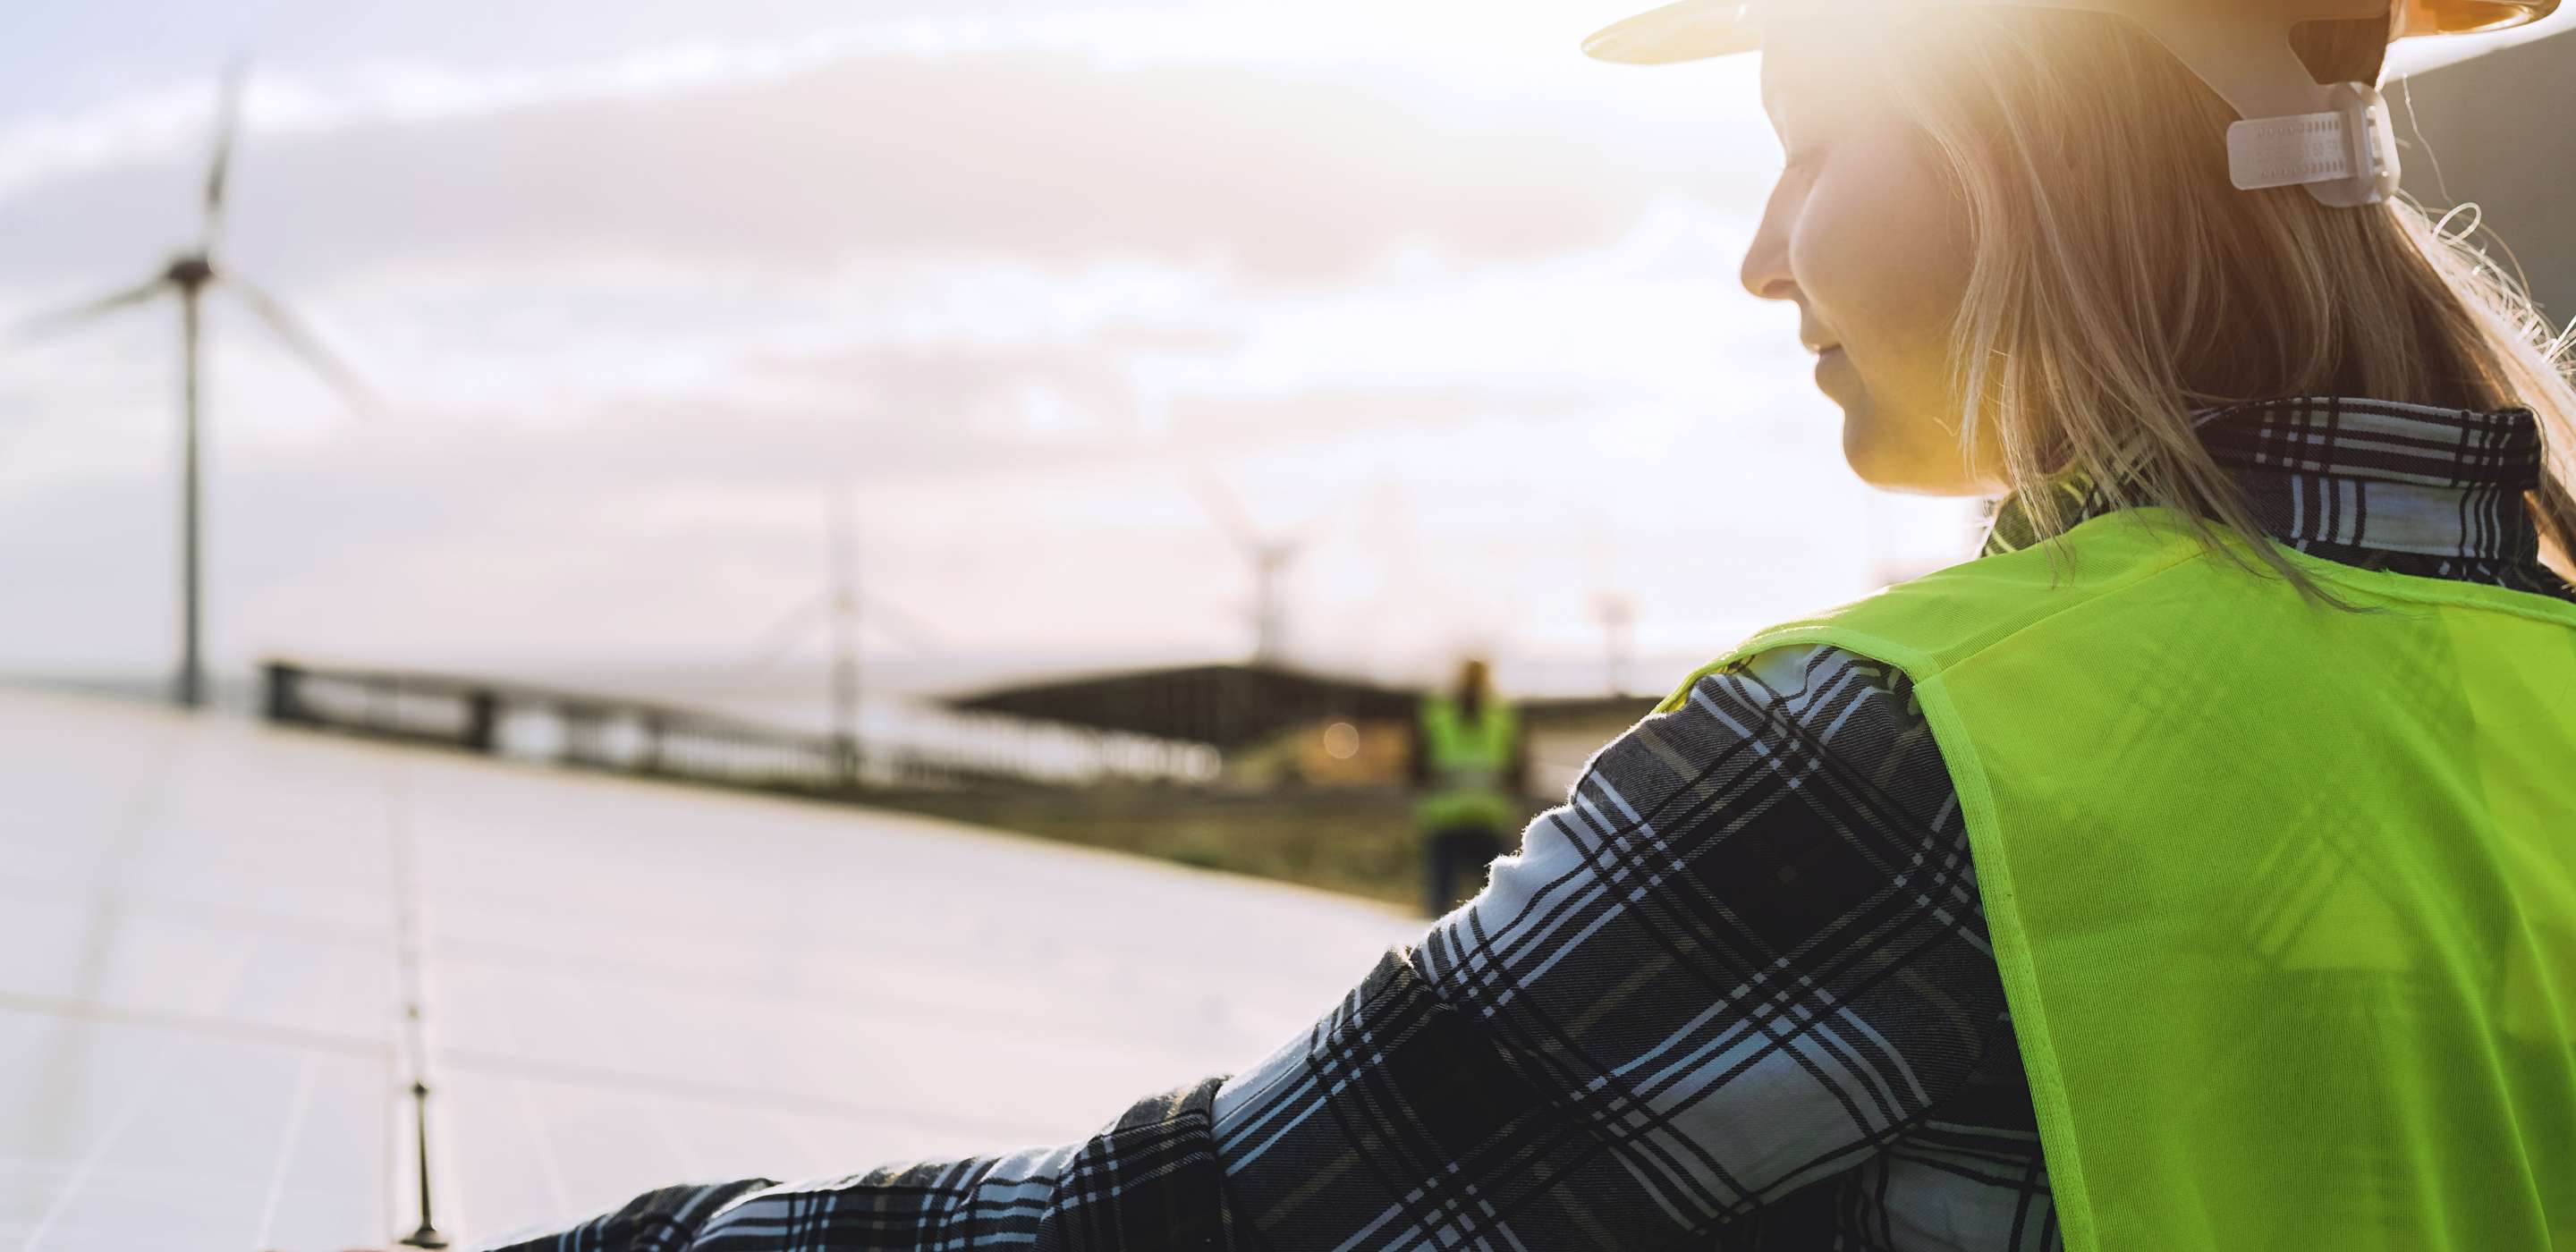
(640, 286)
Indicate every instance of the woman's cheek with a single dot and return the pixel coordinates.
(1887, 247)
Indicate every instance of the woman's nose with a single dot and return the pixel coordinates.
(1765, 271)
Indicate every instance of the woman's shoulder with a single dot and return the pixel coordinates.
(1786, 710)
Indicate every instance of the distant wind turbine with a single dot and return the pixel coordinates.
(1617, 614)
(187, 276)
(1271, 557)
(837, 608)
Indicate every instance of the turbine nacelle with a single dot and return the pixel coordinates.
(189, 272)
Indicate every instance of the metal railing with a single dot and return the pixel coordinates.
(633, 736)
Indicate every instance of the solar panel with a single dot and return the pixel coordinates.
(624, 984)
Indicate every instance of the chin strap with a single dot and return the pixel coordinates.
(2345, 157)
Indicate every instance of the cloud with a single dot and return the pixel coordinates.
(1287, 177)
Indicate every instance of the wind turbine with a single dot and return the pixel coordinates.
(1271, 557)
(1613, 608)
(188, 276)
(837, 608)
(1617, 614)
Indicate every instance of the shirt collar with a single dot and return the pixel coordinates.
(2336, 475)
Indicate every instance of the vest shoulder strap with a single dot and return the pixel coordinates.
(1930, 624)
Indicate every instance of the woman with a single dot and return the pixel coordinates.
(2192, 870)
(1470, 763)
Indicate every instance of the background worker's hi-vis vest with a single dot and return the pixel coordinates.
(2284, 896)
(1468, 760)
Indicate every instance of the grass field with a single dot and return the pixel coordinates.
(1358, 842)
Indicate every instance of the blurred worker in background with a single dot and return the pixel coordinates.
(1472, 768)
(2192, 869)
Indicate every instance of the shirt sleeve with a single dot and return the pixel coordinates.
(1743, 958)
(1148, 1182)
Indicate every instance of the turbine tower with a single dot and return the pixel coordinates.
(1617, 614)
(189, 276)
(845, 634)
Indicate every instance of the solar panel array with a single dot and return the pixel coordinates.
(210, 931)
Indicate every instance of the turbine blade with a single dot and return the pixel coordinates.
(790, 631)
(60, 318)
(1226, 511)
(227, 122)
(1317, 531)
(304, 343)
(898, 624)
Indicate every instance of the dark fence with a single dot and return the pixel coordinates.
(642, 737)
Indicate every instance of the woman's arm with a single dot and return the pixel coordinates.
(1742, 958)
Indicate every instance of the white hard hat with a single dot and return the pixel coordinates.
(2334, 139)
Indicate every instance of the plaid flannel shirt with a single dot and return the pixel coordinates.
(1735, 993)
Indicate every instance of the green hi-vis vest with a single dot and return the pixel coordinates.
(1468, 761)
(2284, 896)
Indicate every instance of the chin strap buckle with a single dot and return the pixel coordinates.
(2345, 156)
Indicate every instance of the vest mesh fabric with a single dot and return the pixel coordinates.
(2284, 896)
(1467, 759)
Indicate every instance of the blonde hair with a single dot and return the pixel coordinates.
(2120, 283)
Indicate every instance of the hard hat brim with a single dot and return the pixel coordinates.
(2464, 17)
(1695, 30)
(1691, 30)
